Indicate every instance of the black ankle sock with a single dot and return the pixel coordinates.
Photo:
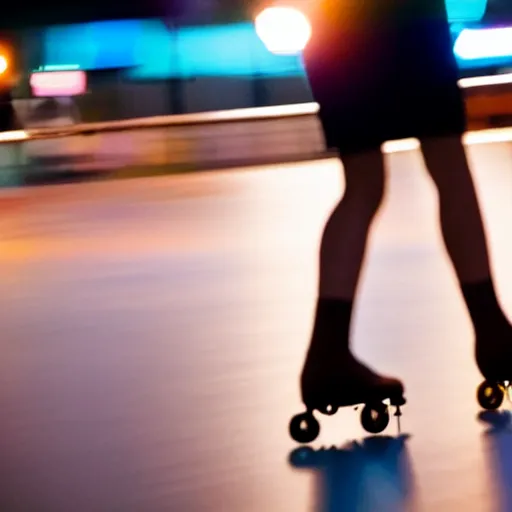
(483, 305)
(332, 325)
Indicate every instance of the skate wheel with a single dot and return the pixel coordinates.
(304, 428)
(375, 418)
(328, 410)
(490, 395)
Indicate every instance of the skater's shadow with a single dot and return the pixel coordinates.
(498, 438)
(372, 475)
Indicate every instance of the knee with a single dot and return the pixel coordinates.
(447, 163)
(367, 195)
(364, 183)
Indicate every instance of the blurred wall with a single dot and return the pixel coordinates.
(140, 68)
(144, 68)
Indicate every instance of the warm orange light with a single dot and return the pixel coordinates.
(4, 64)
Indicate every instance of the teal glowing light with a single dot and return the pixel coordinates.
(151, 51)
(466, 11)
(148, 50)
(92, 45)
(59, 67)
(227, 50)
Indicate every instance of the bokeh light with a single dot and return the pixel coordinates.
(283, 30)
(484, 43)
(4, 64)
(60, 83)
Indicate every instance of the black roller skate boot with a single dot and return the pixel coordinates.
(332, 377)
(493, 347)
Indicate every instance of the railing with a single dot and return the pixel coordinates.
(192, 141)
(197, 141)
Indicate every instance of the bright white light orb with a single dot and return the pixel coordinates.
(484, 43)
(283, 30)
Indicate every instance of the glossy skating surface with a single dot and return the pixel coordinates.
(153, 333)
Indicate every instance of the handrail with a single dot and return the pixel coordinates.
(205, 118)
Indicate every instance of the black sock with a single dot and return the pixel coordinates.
(483, 306)
(332, 326)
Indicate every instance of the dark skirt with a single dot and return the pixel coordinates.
(379, 82)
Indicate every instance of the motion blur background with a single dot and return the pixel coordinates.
(177, 82)
(120, 61)
(153, 329)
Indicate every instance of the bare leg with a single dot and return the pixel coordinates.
(330, 372)
(346, 232)
(465, 240)
(461, 221)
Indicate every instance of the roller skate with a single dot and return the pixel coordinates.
(493, 347)
(494, 360)
(335, 384)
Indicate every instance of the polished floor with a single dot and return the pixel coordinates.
(153, 331)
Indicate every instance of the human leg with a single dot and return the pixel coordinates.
(331, 373)
(465, 240)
